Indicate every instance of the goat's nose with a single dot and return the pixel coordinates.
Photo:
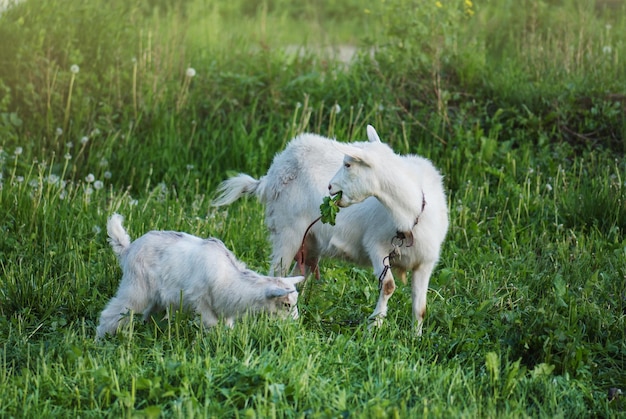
(330, 187)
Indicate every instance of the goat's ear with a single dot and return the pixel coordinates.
(276, 292)
(293, 280)
(372, 135)
(350, 151)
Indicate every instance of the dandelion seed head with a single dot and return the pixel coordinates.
(96, 229)
(337, 108)
(190, 167)
(107, 175)
(90, 178)
(59, 131)
(18, 151)
(67, 156)
(19, 179)
(607, 49)
(74, 68)
(191, 72)
(53, 179)
(103, 162)
(88, 190)
(548, 187)
(33, 183)
(84, 140)
(133, 202)
(98, 184)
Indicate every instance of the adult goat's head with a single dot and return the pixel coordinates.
(360, 175)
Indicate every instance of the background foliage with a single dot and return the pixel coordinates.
(143, 107)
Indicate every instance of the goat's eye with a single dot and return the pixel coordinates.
(346, 165)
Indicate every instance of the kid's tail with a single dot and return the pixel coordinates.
(118, 237)
(234, 188)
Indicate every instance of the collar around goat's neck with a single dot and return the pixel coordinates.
(408, 235)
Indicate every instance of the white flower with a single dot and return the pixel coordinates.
(189, 167)
(98, 185)
(69, 144)
(95, 132)
(549, 187)
(133, 202)
(337, 108)
(90, 178)
(18, 151)
(53, 179)
(608, 26)
(607, 49)
(19, 179)
(34, 183)
(84, 140)
(67, 156)
(107, 175)
(88, 190)
(59, 131)
(191, 72)
(74, 69)
(104, 162)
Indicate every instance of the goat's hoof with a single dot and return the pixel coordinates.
(375, 321)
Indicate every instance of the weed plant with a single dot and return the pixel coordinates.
(143, 107)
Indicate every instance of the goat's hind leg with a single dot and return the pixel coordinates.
(285, 246)
(113, 316)
(387, 287)
(127, 298)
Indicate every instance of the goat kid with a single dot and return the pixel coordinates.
(163, 268)
(395, 195)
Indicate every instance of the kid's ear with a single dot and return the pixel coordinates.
(294, 280)
(276, 292)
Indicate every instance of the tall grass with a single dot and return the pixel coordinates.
(521, 106)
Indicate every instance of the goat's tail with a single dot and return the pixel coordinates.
(118, 237)
(234, 188)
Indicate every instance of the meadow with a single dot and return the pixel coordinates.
(143, 107)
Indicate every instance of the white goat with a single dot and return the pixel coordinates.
(163, 268)
(398, 196)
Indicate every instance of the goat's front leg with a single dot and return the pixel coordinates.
(419, 288)
(208, 316)
(387, 287)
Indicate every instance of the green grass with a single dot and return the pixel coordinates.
(521, 106)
